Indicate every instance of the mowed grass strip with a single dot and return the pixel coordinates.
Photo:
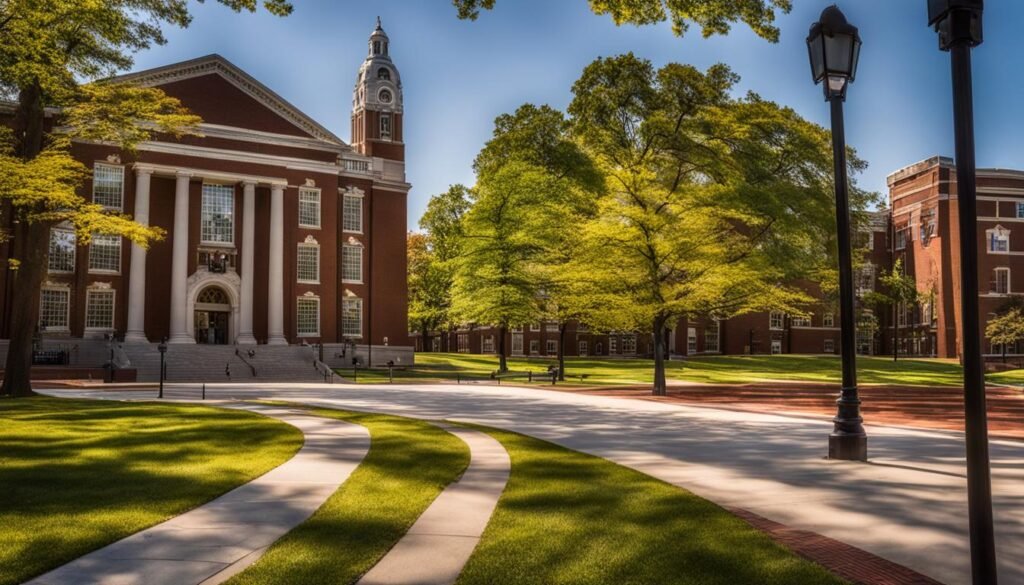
(76, 475)
(409, 463)
(567, 517)
(703, 369)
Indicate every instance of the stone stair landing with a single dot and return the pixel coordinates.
(210, 363)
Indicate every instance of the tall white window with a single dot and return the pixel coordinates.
(385, 126)
(463, 342)
(801, 322)
(352, 213)
(99, 309)
(307, 317)
(105, 253)
(711, 337)
(352, 263)
(583, 349)
(828, 320)
(998, 240)
(108, 185)
(551, 347)
(534, 347)
(1020, 209)
(487, 345)
(308, 263)
(830, 346)
(517, 344)
(62, 250)
(309, 208)
(691, 340)
(53, 309)
(352, 317)
(218, 214)
(775, 320)
(613, 345)
(1001, 281)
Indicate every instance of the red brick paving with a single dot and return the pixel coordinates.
(848, 562)
(915, 406)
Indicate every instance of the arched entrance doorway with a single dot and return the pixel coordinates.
(212, 316)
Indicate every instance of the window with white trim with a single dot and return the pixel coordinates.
(998, 240)
(613, 345)
(54, 305)
(534, 347)
(105, 253)
(776, 320)
(691, 340)
(551, 327)
(1020, 209)
(534, 327)
(99, 309)
(463, 342)
(487, 345)
(352, 213)
(551, 347)
(583, 348)
(1001, 281)
(828, 320)
(517, 344)
(711, 336)
(309, 208)
(385, 126)
(801, 322)
(62, 250)
(307, 265)
(307, 317)
(352, 317)
(629, 345)
(830, 346)
(108, 185)
(217, 219)
(352, 263)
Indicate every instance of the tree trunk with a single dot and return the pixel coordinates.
(561, 351)
(425, 335)
(502, 362)
(660, 386)
(30, 247)
(895, 334)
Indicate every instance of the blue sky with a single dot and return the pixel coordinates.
(459, 75)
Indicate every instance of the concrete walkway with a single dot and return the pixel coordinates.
(438, 545)
(216, 540)
(908, 505)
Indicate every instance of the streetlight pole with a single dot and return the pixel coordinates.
(162, 348)
(959, 24)
(834, 48)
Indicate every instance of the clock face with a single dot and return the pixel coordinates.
(385, 96)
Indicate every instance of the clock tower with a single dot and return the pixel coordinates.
(377, 103)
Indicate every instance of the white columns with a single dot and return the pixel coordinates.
(245, 336)
(275, 295)
(179, 262)
(136, 330)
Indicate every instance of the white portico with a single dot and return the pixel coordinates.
(218, 266)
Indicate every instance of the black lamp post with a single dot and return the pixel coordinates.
(162, 348)
(834, 48)
(958, 23)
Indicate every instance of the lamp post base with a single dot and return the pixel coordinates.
(848, 447)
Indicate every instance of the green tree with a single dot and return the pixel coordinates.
(430, 298)
(713, 16)
(1007, 327)
(900, 294)
(711, 204)
(46, 48)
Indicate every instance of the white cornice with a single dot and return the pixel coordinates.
(260, 137)
(215, 64)
(287, 162)
(171, 171)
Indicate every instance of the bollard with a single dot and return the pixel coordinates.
(204, 391)
(529, 376)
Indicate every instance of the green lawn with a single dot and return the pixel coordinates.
(408, 465)
(712, 369)
(79, 474)
(567, 517)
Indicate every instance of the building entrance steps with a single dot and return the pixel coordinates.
(436, 548)
(215, 541)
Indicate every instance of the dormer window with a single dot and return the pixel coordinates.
(998, 240)
(384, 73)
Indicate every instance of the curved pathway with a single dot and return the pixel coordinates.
(438, 545)
(216, 540)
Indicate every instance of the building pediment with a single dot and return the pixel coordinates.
(213, 87)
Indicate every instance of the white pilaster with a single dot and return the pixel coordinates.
(179, 262)
(275, 296)
(245, 336)
(136, 330)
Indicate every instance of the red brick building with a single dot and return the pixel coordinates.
(277, 231)
(925, 220)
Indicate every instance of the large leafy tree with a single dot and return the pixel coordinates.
(1007, 327)
(713, 16)
(712, 203)
(432, 257)
(47, 47)
(899, 293)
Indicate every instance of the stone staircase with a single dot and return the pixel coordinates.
(209, 363)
